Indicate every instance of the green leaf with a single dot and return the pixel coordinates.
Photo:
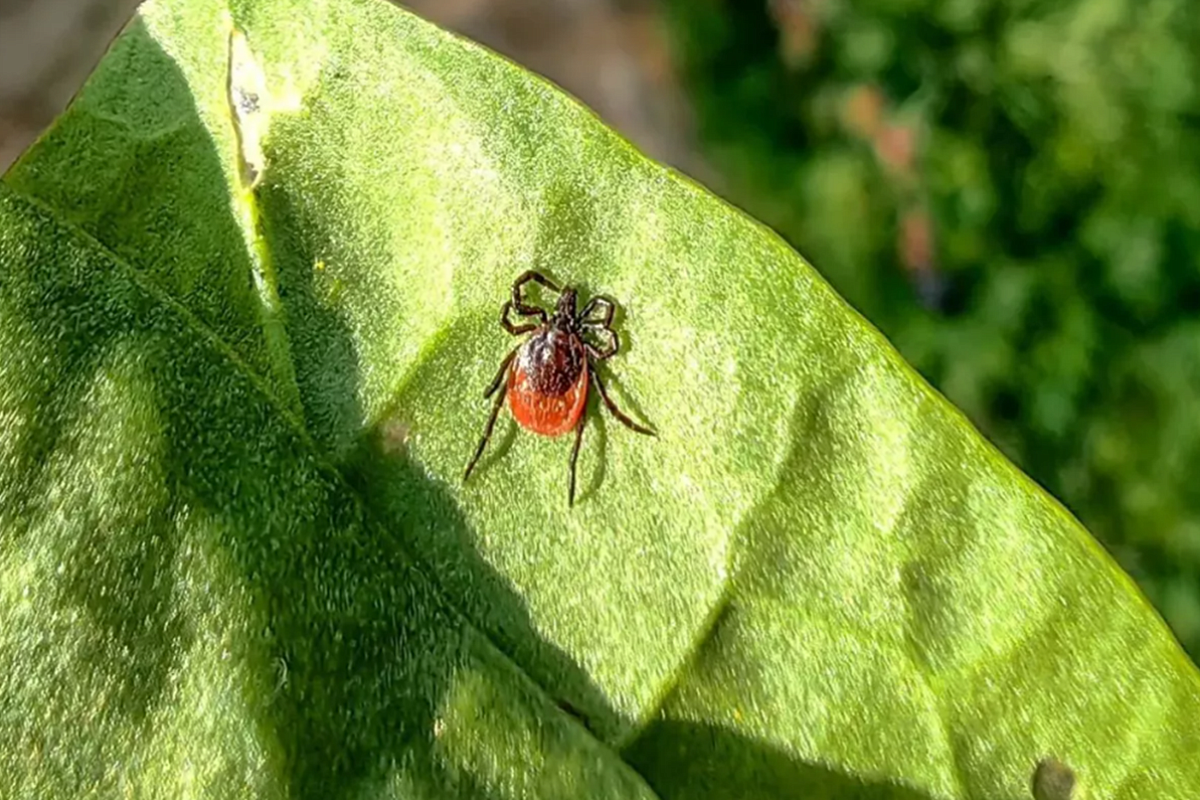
(236, 556)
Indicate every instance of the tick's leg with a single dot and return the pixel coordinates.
(603, 324)
(575, 458)
(604, 321)
(495, 384)
(614, 344)
(517, 330)
(518, 296)
(616, 412)
(487, 434)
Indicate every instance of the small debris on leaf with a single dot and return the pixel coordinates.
(1054, 780)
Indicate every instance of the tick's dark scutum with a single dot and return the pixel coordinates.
(553, 360)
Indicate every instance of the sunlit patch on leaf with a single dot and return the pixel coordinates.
(248, 101)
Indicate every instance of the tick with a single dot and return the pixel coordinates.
(546, 379)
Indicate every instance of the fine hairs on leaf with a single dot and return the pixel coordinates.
(238, 383)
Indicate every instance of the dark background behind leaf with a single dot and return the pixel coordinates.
(1009, 189)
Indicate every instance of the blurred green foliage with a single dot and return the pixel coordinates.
(1010, 190)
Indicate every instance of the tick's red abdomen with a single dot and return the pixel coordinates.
(548, 387)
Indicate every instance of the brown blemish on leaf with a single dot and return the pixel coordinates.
(1054, 780)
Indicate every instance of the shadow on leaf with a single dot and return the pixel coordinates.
(686, 761)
